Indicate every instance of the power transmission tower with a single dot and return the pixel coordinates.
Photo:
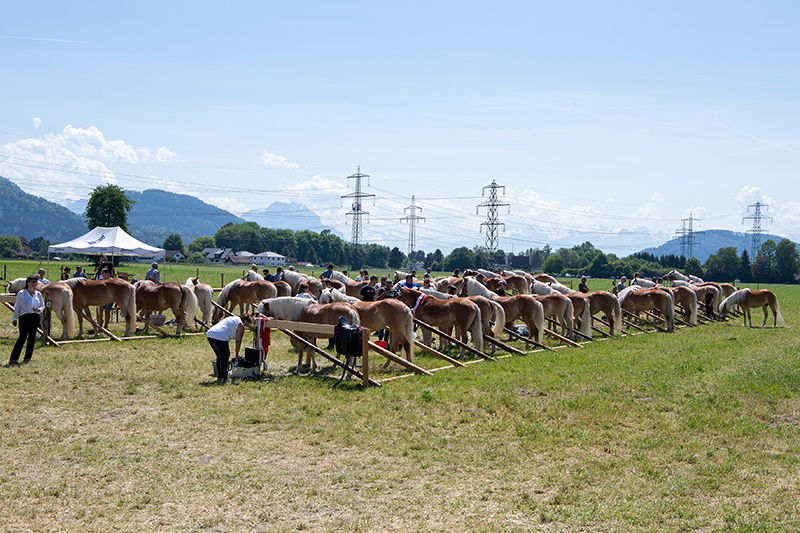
(492, 221)
(356, 212)
(412, 218)
(687, 236)
(756, 230)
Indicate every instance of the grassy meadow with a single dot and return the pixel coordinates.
(693, 430)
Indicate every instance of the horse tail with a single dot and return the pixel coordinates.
(408, 332)
(669, 312)
(69, 315)
(190, 301)
(499, 318)
(130, 311)
(569, 315)
(776, 310)
(538, 321)
(586, 318)
(353, 317)
(616, 328)
(476, 329)
(693, 307)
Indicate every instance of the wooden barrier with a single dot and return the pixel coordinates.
(527, 340)
(452, 339)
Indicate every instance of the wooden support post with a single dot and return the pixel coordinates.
(365, 333)
(222, 279)
(158, 329)
(600, 331)
(98, 326)
(203, 324)
(561, 337)
(575, 331)
(454, 340)
(222, 308)
(503, 345)
(327, 356)
(634, 325)
(439, 354)
(527, 340)
(609, 325)
(399, 360)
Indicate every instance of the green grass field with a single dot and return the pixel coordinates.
(694, 430)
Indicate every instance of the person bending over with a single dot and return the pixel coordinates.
(219, 337)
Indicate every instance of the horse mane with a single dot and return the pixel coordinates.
(439, 295)
(730, 303)
(335, 295)
(252, 275)
(224, 295)
(476, 288)
(643, 282)
(488, 273)
(285, 307)
(338, 276)
(542, 289)
(626, 291)
(558, 287)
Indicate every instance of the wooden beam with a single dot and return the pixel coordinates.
(454, 340)
(561, 337)
(503, 345)
(439, 354)
(304, 327)
(97, 326)
(575, 331)
(328, 356)
(631, 323)
(158, 329)
(198, 321)
(637, 327)
(222, 308)
(528, 340)
(609, 325)
(600, 331)
(399, 360)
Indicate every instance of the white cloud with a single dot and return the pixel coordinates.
(657, 197)
(37, 122)
(277, 161)
(228, 204)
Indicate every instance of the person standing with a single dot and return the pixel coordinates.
(79, 273)
(582, 286)
(153, 274)
(409, 283)
(27, 307)
(219, 337)
(327, 273)
(40, 277)
(66, 273)
(368, 291)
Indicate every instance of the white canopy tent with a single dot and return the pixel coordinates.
(111, 241)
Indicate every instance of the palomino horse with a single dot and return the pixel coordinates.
(240, 292)
(688, 300)
(559, 287)
(153, 297)
(514, 282)
(747, 298)
(16, 285)
(582, 309)
(490, 310)
(283, 288)
(727, 289)
(59, 295)
(718, 296)
(650, 299)
(205, 296)
(559, 308)
(443, 314)
(526, 308)
(443, 284)
(306, 310)
(252, 275)
(673, 275)
(90, 292)
(351, 286)
(707, 294)
(545, 278)
(609, 304)
(646, 283)
(378, 315)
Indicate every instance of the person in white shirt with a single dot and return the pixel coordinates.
(220, 334)
(41, 279)
(153, 274)
(28, 305)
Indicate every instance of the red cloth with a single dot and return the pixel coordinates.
(264, 334)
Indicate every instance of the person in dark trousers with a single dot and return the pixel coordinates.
(27, 307)
(219, 336)
(582, 286)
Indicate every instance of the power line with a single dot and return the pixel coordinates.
(756, 230)
(686, 233)
(412, 219)
(356, 212)
(492, 221)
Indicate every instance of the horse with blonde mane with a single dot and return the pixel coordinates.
(646, 283)
(154, 298)
(636, 301)
(582, 309)
(240, 292)
(59, 296)
(709, 295)
(545, 278)
(306, 310)
(100, 292)
(747, 298)
(16, 285)
(559, 287)
(490, 310)
(526, 308)
(252, 275)
(378, 315)
(351, 286)
(609, 304)
(688, 300)
(559, 308)
(514, 282)
(205, 296)
(283, 288)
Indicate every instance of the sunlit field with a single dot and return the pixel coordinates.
(692, 430)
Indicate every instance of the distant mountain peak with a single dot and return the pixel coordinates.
(288, 215)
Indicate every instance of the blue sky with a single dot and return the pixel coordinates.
(606, 123)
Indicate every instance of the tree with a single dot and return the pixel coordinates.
(107, 207)
(173, 242)
(9, 244)
(396, 258)
(554, 264)
(693, 267)
(745, 273)
(460, 258)
(761, 269)
(196, 257)
(206, 241)
(786, 260)
(723, 265)
(768, 250)
(599, 266)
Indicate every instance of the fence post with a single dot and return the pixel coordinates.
(222, 279)
(365, 333)
(197, 273)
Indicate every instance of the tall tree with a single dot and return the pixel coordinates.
(693, 267)
(723, 265)
(108, 206)
(786, 260)
(205, 241)
(554, 264)
(396, 258)
(173, 242)
(745, 273)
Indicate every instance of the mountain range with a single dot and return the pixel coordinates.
(709, 241)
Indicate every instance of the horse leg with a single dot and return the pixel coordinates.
(766, 314)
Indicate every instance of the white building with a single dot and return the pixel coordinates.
(269, 259)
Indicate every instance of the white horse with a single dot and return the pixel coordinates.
(542, 289)
(643, 283)
(205, 295)
(338, 276)
(294, 278)
(680, 283)
(487, 273)
(252, 275)
(695, 279)
(475, 288)
(558, 287)
(674, 274)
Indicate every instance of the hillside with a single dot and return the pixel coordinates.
(288, 215)
(30, 216)
(708, 242)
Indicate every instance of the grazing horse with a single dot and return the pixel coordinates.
(688, 300)
(153, 297)
(381, 314)
(637, 301)
(709, 295)
(718, 296)
(747, 298)
(305, 310)
(727, 289)
(514, 282)
(559, 308)
(240, 292)
(90, 292)
(443, 314)
(582, 309)
(205, 295)
(526, 308)
(60, 297)
(608, 303)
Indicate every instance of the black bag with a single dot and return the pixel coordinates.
(347, 338)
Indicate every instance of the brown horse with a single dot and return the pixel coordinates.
(205, 296)
(309, 285)
(545, 278)
(59, 296)
(688, 300)
(651, 299)
(582, 312)
(559, 308)
(153, 297)
(609, 304)
(444, 284)
(526, 308)
(90, 292)
(306, 310)
(283, 288)
(443, 314)
(707, 294)
(727, 289)
(747, 298)
(381, 314)
(514, 283)
(240, 292)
